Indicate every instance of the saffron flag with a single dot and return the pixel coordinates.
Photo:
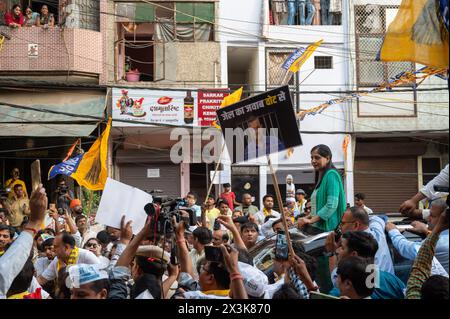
(295, 67)
(417, 34)
(229, 100)
(88, 169)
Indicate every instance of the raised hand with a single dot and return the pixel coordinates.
(38, 205)
(126, 232)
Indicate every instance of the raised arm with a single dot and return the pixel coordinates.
(227, 221)
(183, 252)
(421, 269)
(13, 260)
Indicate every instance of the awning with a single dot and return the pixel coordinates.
(46, 130)
(32, 114)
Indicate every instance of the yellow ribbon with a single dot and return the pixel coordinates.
(73, 257)
(19, 295)
(266, 213)
(224, 292)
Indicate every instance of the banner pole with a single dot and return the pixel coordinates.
(280, 204)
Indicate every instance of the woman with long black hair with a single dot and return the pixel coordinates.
(328, 202)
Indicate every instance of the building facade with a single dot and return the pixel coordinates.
(51, 80)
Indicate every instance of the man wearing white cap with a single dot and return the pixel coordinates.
(87, 282)
(290, 187)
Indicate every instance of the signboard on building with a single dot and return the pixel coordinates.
(208, 103)
(174, 107)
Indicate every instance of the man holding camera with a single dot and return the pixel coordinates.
(62, 196)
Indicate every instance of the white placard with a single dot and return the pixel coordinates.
(119, 199)
(153, 173)
(33, 50)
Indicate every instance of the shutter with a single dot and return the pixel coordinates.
(387, 182)
(168, 181)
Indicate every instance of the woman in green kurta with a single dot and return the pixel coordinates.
(328, 202)
(328, 205)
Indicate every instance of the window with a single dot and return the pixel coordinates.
(173, 21)
(371, 22)
(143, 28)
(323, 62)
(275, 74)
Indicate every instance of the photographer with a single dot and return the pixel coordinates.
(62, 196)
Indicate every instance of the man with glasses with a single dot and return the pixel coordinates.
(356, 219)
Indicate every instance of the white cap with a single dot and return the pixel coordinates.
(255, 281)
(82, 274)
(290, 199)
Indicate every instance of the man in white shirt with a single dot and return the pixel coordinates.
(202, 237)
(267, 210)
(66, 254)
(359, 202)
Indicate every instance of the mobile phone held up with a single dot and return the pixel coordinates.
(216, 224)
(281, 247)
(213, 254)
(174, 255)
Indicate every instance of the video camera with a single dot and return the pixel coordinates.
(163, 209)
(4, 192)
(62, 189)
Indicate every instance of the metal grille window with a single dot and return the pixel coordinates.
(274, 72)
(371, 22)
(323, 62)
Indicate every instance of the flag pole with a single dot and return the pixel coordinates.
(280, 204)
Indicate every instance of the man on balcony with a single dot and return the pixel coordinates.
(14, 19)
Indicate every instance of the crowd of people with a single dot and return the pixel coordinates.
(17, 19)
(52, 249)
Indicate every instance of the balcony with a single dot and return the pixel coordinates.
(51, 52)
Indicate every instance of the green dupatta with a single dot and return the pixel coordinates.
(330, 202)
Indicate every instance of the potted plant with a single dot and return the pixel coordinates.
(133, 75)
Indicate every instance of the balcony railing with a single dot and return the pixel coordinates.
(41, 50)
(305, 12)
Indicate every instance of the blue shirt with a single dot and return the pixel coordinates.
(388, 286)
(409, 249)
(383, 256)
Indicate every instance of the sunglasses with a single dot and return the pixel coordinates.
(93, 245)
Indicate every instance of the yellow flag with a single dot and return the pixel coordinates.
(295, 67)
(232, 98)
(92, 170)
(417, 35)
(229, 100)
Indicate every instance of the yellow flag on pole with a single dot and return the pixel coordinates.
(295, 67)
(417, 34)
(92, 170)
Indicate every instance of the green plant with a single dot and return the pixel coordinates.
(90, 200)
